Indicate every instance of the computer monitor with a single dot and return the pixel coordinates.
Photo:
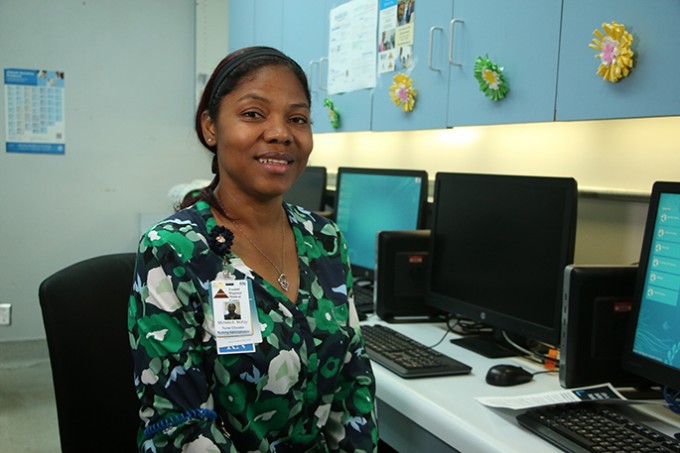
(309, 190)
(499, 246)
(369, 200)
(652, 349)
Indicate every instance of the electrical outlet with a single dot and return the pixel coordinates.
(5, 314)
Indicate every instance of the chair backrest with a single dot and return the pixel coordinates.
(84, 309)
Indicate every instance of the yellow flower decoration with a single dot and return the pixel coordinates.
(616, 57)
(402, 92)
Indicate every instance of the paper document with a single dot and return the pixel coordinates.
(599, 392)
(351, 49)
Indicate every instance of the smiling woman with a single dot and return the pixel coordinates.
(290, 372)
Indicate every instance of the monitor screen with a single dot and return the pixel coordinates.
(371, 200)
(499, 248)
(309, 189)
(653, 347)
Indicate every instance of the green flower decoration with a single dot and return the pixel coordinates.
(490, 78)
(333, 114)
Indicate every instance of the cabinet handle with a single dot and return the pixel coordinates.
(310, 76)
(452, 25)
(430, 49)
(322, 87)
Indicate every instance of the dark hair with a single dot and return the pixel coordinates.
(226, 78)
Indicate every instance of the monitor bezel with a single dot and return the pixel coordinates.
(494, 318)
(360, 272)
(638, 364)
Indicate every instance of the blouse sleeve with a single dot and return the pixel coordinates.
(352, 425)
(165, 320)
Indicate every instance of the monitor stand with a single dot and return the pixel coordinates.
(492, 346)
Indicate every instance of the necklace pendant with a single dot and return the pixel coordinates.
(283, 282)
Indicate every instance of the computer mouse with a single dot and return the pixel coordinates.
(507, 375)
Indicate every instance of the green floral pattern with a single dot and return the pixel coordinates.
(307, 387)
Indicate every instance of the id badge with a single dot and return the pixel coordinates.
(231, 307)
(237, 328)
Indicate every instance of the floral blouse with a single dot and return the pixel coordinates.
(308, 386)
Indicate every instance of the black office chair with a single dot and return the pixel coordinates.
(84, 309)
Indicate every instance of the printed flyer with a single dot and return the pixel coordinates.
(34, 111)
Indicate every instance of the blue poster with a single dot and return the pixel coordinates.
(34, 111)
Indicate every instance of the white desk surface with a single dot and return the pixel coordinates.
(446, 406)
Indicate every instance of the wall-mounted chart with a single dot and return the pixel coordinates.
(34, 111)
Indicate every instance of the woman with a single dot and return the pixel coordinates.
(291, 375)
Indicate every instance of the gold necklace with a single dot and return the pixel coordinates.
(281, 279)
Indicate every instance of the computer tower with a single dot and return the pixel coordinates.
(401, 276)
(595, 314)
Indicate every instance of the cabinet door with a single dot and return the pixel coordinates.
(354, 107)
(523, 38)
(305, 39)
(306, 26)
(429, 73)
(241, 25)
(255, 23)
(649, 90)
(268, 23)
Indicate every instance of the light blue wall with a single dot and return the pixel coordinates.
(129, 74)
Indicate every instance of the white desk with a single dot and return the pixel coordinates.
(441, 414)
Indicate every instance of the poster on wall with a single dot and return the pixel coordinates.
(395, 35)
(351, 46)
(34, 111)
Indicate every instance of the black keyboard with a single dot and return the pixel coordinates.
(363, 298)
(583, 427)
(407, 357)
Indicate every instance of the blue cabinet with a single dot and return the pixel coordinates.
(241, 29)
(300, 28)
(429, 73)
(255, 23)
(649, 90)
(355, 112)
(522, 37)
(354, 107)
(541, 44)
(305, 38)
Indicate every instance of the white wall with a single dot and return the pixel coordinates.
(129, 75)
(619, 156)
(614, 162)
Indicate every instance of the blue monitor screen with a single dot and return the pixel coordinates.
(373, 200)
(657, 333)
